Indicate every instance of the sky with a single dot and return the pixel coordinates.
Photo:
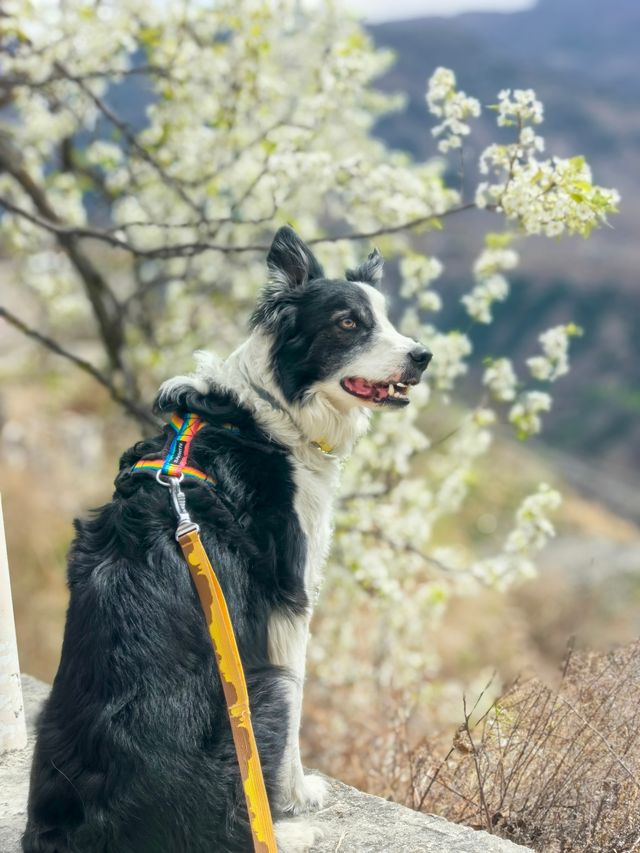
(393, 10)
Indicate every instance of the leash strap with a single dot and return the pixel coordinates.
(169, 472)
(234, 685)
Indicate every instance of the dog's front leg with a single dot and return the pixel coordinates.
(288, 636)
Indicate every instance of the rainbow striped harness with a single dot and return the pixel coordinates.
(174, 458)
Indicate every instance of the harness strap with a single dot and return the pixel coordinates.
(172, 462)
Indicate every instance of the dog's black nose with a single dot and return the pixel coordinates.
(420, 356)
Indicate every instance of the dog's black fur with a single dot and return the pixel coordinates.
(134, 751)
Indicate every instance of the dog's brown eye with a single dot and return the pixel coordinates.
(347, 323)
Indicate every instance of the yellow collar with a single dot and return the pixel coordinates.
(323, 445)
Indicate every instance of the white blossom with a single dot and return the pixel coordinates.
(550, 197)
(478, 302)
(530, 533)
(554, 362)
(491, 286)
(417, 272)
(525, 412)
(452, 106)
(500, 378)
(533, 528)
(519, 107)
(452, 350)
(484, 416)
(493, 260)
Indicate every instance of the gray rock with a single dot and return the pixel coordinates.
(14, 771)
(351, 822)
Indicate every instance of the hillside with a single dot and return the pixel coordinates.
(584, 65)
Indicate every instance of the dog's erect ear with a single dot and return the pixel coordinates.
(370, 271)
(291, 262)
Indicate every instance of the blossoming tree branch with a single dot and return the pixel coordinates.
(150, 225)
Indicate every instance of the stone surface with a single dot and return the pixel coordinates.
(14, 772)
(351, 822)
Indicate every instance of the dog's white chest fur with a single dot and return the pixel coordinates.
(315, 485)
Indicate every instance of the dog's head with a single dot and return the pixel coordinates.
(333, 335)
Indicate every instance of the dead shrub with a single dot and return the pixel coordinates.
(556, 769)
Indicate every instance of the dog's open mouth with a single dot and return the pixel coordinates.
(389, 393)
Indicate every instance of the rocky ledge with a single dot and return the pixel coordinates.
(351, 822)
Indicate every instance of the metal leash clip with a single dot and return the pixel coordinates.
(185, 522)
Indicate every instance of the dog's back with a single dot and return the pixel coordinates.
(134, 749)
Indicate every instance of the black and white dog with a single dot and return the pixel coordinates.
(134, 751)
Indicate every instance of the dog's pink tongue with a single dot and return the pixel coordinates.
(360, 386)
(366, 389)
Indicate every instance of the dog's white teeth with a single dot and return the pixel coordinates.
(397, 390)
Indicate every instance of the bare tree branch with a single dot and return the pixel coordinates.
(181, 250)
(141, 413)
(28, 83)
(408, 548)
(103, 301)
(130, 137)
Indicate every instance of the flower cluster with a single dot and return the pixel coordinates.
(525, 412)
(520, 107)
(554, 361)
(491, 285)
(453, 348)
(533, 528)
(500, 378)
(531, 532)
(417, 272)
(452, 106)
(551, 197)
(527, 405)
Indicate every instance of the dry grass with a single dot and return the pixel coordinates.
(557, 769)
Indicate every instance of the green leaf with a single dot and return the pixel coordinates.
(495, 240)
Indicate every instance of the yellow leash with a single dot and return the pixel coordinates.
(170, 468)
(216, 614)
(234, 685)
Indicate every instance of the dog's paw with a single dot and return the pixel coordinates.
(296, 837)
(306, 794)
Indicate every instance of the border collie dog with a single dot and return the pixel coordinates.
(134, 751)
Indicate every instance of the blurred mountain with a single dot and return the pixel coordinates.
(582, 59)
